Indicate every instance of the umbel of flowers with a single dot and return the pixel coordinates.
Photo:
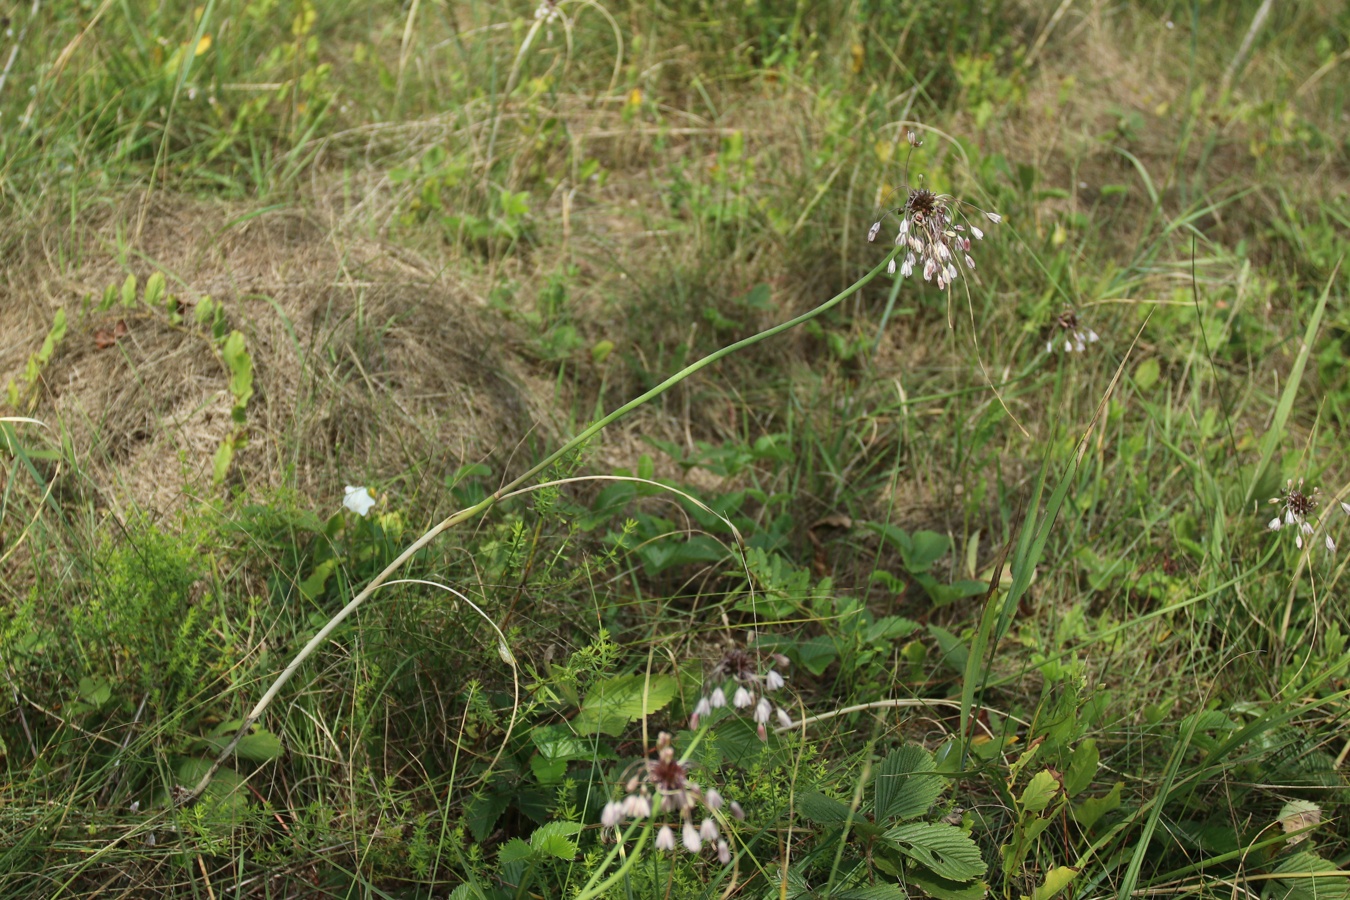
(662, 789)
(1298, 510)
(932, 238)
(742, 680)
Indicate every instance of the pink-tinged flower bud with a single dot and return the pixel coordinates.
(713, 799)
(970, 263)
(665, 838)
(872, 232)
(904, 227)
(692, 843)
(993, 217)
(1331, 545)
(762, 732)
(1345, 507)
(890, 267)
(723, 853)
(736, 811)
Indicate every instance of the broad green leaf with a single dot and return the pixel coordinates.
(816, 654)
(1088, 812)
(875, 892)
(547, 771)
(945, 889)
(1146, 374)
(129, 291)
(260, 746)
(945, 849)
(1303, 881)
(1082, 768)
(240, 365)
(154, 289)
(220, 464)
(482, 812)
(514, 850)
(560, 742)
(1056, 880)
(611, 704)
(816, 807)
(906, 784)
(1039, 792)
(555, 839)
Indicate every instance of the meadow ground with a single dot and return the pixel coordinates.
(939, 592)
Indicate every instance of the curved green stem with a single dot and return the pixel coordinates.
(491, 500)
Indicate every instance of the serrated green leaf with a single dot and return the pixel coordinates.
(514, 850)
(906, 784)
(944, 849)
(613, 703)
(1039, 792)
(482, 812)
(816, 807)
(560, 742)
(875, 892)
(1056, 880)
(555, 839)
(260, 746)
(943, 889)
(1082, 768)
(1303, 881)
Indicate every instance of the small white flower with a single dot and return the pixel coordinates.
(358, 500)
(742, 699)
(970, 263)
(907, 268)
(872, 232)
(612, 815)
(636, 806)
(708, 830)
(723, 852)
(665, 838)
(1345, 507)
(1274, 524)
(718, 698)
(736, 811)
(890, 269)
(763, 709)
(784, 720)
(772, 680)
(993, 217)
(692, 842)
(713, 799)
(1331, 545)
(703, 708)
(904, 227)
(979, 235)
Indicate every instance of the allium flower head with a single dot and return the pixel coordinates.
(934, 232)
(1072, 336)
(662, 787)
(1298, 510)
(753, 674)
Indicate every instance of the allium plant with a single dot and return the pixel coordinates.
(742, 680)
(1075, 335)
(663, 791)
(933, 240)
(1298, 510)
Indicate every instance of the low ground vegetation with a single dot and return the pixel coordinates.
(1031, 584)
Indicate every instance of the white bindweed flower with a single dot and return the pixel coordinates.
(358, 500)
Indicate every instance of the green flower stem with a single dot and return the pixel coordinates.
(488, 502)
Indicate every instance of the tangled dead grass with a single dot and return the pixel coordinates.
(368, 367)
